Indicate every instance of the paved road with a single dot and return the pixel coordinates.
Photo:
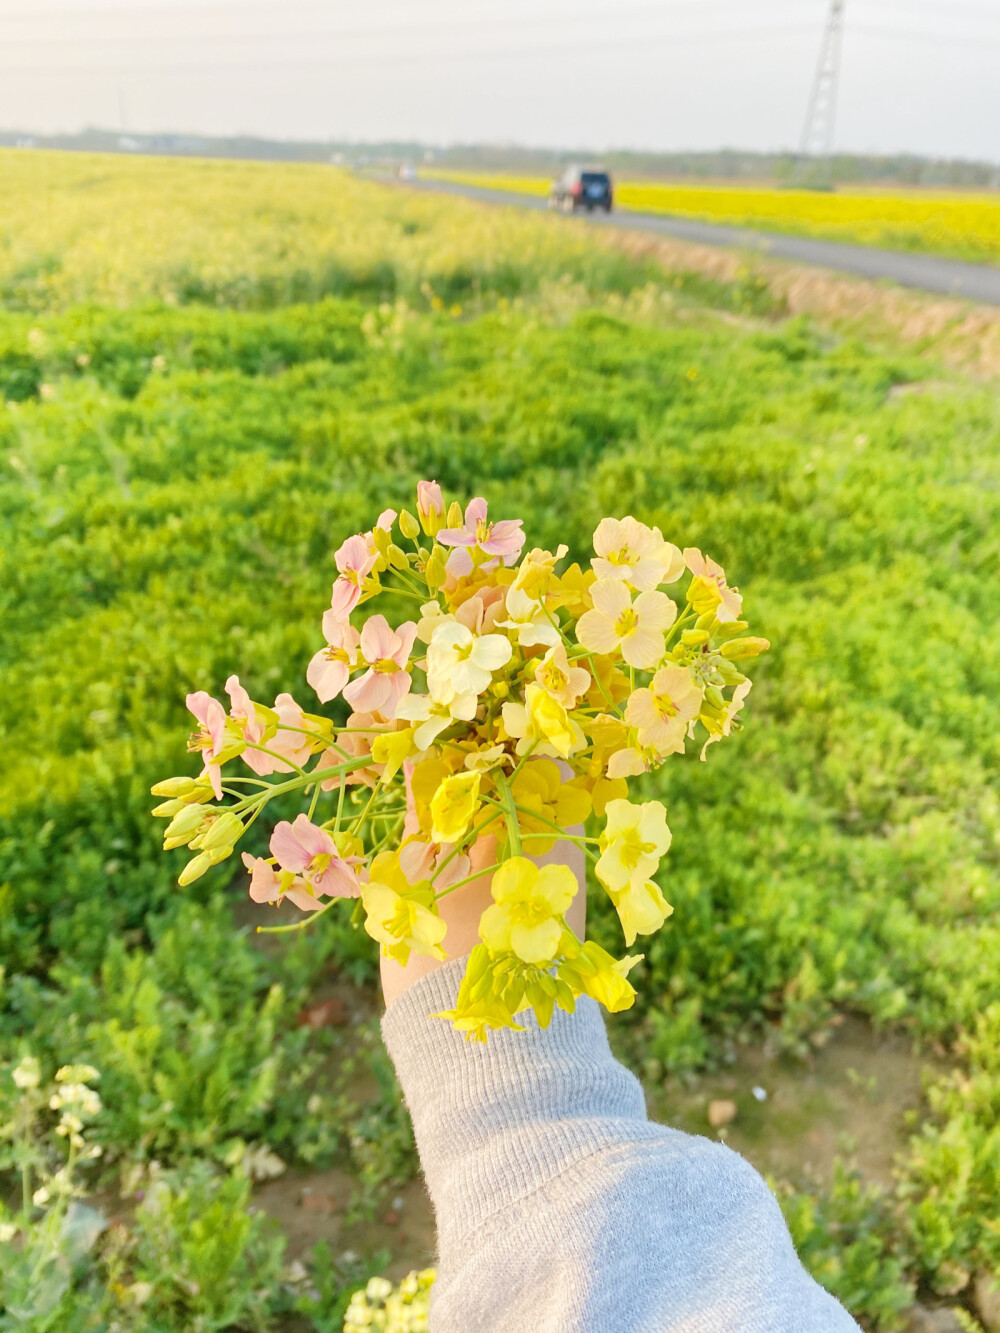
(946, 277)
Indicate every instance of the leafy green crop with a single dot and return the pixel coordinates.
(173, 481)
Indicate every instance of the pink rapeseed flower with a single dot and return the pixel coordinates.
(355, 560)
(330, 669)
(307, 850)
(267, 885)
(387, 653)
(430, 505)
(243, 711)
(292, 746)
(210, 737)
(503, 539)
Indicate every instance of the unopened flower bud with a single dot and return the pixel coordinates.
(382, 540)
(692, 638)
(728, 673)
(435, 572)
(194, 869)
(455, 515)
(500, 689)
(731, 629)
(225, 832)
(408, 525)
(706, 622)
(175, 787)
(397, 557)
(186, 823)
(739, 649)
(167, 809)
(715, 697)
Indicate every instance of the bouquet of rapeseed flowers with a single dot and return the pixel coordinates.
(512, 709)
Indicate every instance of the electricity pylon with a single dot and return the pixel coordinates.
(817, 132)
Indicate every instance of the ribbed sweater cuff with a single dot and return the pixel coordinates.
(495, 1122)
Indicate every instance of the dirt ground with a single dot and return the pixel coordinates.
(853, 1098)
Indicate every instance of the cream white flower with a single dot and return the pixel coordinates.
(435, 715)
(462, 662)
(527, 617)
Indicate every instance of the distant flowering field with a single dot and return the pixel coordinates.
(964, 225)
(214, 379)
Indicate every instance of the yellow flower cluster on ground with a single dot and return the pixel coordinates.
(960, 224)
(515, 707)
(383, 1308)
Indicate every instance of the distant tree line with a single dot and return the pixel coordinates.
(722, 164)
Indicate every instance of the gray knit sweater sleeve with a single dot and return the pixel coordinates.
(561, 1209)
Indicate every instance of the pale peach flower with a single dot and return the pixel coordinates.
(504, 538)
(628, 550)
(307, 850)
(617, 623)
(419, 860)
(330, 668)
(355, 560)
(566, 683)
(661, 712)
(267, 885)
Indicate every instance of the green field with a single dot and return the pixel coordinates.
(188, 429)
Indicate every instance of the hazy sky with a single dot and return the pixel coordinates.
(918, 75)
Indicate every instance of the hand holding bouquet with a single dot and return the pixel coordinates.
(515, 704)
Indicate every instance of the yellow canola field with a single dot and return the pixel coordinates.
(966, 226)
(117, 229)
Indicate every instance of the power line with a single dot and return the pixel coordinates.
(420, 57)
(414, 29)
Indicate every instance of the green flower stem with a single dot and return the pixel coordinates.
(312, 804)
(685, 616)
(472, 834)
(364, 813)
(297, 925)
(340, 806)
(460, 883)
(569, 837)
(294, 784)
(509, 811)
(274, 755)
(601, 686)
(523, 760)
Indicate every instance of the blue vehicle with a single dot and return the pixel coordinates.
(582, 187)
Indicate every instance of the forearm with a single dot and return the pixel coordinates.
(562, 1209)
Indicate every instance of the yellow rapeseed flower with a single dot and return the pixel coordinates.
(633, 840)
(526, 915)
(453, 807)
